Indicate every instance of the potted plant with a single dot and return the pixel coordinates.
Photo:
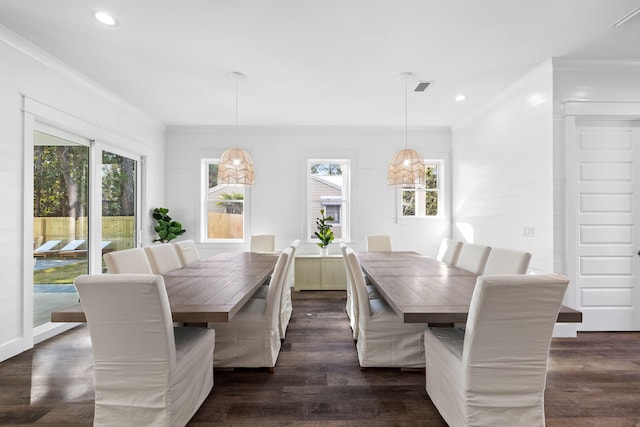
(166, 228)
(324, 233)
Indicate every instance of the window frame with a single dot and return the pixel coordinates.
(440, 189)
(344, 200)
(204, 199)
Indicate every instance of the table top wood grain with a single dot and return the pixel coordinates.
(212, 290)
(421, 289)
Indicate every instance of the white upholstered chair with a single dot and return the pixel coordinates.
(494, 373)
(473, 257)
(379, 243)
(449, 251)
(286, 305)
(351, 299)
(352, 302)
(187, 252)
(384, 340)
(262, 243)
(127, 261)
(146, 372)
(162, 257)
(507, 261)
(251, 339)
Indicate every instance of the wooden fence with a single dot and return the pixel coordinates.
(119, 230)
(225, 226)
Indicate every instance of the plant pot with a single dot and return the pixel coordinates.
(324, 251)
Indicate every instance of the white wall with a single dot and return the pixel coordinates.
(27, 71)
(278, 198)
(503, 170)
(510, 163)
(594, 84)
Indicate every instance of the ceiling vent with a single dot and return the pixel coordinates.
(422, 86)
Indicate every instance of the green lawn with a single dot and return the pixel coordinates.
(60, 275)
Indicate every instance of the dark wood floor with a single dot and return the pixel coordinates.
(593, 380)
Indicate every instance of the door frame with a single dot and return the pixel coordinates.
(38, 114)
(573, 112)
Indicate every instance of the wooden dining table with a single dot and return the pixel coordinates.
(211, 290)
(421, 289)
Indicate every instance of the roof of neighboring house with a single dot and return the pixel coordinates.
(332, 180)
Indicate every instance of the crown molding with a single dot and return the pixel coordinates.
(36, 53)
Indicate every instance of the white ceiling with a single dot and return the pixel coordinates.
(317, 62)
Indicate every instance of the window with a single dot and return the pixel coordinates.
(333, 209)
(424, 202)
(328, 189)
(223, 207)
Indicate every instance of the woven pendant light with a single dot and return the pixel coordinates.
(407, 168)
(235, 168)
(236, 165)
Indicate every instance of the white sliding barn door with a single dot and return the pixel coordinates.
(606, 202)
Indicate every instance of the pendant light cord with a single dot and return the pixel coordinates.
(405, 114)
(236, 112)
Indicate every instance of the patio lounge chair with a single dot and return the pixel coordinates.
(74, 253)
(46, 248)
(69, 247)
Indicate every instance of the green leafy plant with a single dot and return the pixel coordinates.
(324, 233)
(167, 229)
(230, 206)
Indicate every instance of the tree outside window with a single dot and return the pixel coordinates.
(423, 202)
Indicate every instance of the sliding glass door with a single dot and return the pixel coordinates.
(85, 203)
(60, 221)
(119, 202)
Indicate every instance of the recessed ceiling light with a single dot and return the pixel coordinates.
(461, 97)
(105, 18)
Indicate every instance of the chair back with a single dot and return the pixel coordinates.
(274, 293)
(262, 243)
(131, 330)
(162, 258)
(358, 285)
(379, 243)
(449, 251)
(507, 261)
(127, 261)
(286, 306)
(187, 252)
(508, 334)
(290, 271)
(473, 257)
(343, 249)
(350, 296)
(351, 305)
